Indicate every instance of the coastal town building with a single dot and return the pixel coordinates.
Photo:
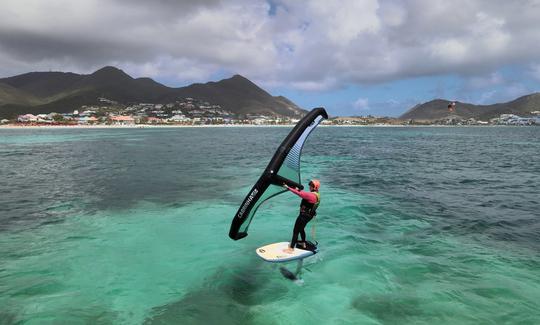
(87, 120)
(191, 111)
(122, 120)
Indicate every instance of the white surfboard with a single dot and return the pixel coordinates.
(275, 253)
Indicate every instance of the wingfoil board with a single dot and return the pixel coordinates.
(274, 253)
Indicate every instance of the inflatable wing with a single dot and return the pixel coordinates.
(283, 168)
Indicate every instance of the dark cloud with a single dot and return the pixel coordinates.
(32, 47)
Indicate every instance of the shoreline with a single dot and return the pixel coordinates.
(20, 127)
(15, 127)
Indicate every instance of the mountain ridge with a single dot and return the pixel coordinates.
(437, 109)
(45, 92)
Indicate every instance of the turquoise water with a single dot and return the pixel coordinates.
(130, 226)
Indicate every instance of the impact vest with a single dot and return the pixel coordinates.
(310, 208)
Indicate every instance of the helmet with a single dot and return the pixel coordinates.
(315, 183)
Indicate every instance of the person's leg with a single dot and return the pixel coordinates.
(296, 230)
(305, 220)
(298, 227)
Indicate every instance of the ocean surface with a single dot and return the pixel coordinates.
(421, 225)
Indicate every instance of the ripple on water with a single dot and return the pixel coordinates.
(417, 225)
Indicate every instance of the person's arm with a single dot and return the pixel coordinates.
(308, 196)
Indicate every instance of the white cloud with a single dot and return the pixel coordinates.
(361, 104)
(342, 21)
(169, 68)
(312, 45)
(449, 50)
(315, 85)
(392, 14)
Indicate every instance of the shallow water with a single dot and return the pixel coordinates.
(417, 225)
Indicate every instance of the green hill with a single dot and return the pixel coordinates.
(45, 92)
(438, 109)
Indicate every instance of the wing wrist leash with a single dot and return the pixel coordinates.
(283, 168)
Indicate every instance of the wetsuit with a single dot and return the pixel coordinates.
(308, 207)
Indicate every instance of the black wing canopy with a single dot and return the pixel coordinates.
(284, 167)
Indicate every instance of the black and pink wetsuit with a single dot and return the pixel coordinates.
(308, 207)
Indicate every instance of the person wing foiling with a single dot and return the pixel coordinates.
(308, 210)
(283, 168)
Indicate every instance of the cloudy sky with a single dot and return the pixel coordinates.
(355, 57)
